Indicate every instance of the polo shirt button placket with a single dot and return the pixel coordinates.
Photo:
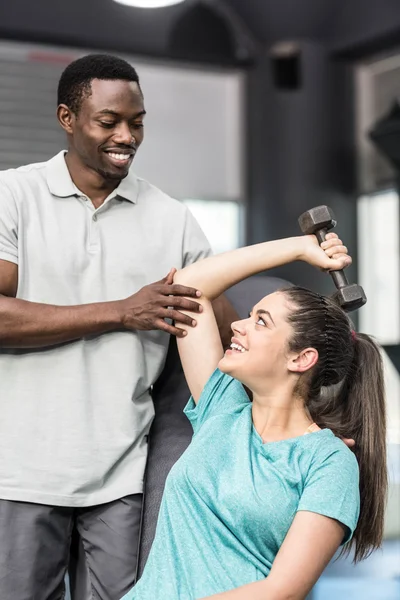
(94, 243)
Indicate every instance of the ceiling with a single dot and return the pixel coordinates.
(270, 20)
(194, 29)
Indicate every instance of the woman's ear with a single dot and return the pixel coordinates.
(303, 361)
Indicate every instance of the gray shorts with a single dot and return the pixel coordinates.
(98, 546)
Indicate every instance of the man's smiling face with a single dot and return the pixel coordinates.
(108, 129)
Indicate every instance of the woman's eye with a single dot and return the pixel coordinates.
(261, 322)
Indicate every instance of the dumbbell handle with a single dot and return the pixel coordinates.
(339, 278)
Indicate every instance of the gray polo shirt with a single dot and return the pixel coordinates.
(74, 417)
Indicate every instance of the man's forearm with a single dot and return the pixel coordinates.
(31, 325)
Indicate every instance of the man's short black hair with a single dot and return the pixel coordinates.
(75, 82)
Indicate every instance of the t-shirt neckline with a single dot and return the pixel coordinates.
(293, 440)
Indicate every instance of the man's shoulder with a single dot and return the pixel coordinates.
(23, 174)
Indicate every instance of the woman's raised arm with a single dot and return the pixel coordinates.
(201, 349)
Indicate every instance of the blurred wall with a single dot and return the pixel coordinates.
(198, 110)
(301, 150)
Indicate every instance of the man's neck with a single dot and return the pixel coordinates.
(89, 182)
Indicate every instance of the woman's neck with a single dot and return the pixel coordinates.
(279, 415)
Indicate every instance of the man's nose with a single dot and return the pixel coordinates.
(124, 135)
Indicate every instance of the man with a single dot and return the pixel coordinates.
(83, 336)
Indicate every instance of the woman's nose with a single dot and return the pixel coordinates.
(239, 326)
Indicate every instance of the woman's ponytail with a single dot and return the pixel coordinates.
(364, 419)
(345, 393)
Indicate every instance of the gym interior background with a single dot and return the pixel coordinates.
(257, 111)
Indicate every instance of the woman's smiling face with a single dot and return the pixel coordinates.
(259, 351)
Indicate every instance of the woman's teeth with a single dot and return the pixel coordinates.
(237, 347)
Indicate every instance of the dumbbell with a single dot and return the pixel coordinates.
(319, 221)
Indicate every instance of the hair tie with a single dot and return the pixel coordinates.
(353, 335)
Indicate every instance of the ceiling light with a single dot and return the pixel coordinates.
(149, 3)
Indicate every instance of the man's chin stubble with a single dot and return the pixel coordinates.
(107, 176)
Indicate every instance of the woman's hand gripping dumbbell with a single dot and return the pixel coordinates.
(319, 221)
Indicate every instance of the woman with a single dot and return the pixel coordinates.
(255, 509)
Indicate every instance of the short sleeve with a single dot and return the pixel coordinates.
(332, 489)
(195, 243)
(221, 394)
(8, 225)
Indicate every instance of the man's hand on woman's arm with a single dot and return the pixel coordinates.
(26, 324)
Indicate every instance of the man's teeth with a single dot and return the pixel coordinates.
(237, 347)
(119, 156)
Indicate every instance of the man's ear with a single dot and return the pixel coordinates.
(66, 118)
(303, 361)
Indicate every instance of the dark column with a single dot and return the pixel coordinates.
(301, 153)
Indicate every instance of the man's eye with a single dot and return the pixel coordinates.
(138, 125)
(107, 124)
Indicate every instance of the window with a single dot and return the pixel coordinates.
(379, 265)
(220, 221)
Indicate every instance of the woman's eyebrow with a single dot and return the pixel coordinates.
(261, 311)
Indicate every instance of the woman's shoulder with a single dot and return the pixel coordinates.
(222, 394)
(222, 383)
(331, 481)
(328, 449)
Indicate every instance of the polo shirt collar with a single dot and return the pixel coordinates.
(61, 185)
(128, 189)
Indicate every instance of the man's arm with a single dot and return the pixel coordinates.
(225, 315)
(26, 324)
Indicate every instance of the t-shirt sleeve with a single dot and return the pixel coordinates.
(195, 243)
(332, 489)
(221, 394)
(8, 226)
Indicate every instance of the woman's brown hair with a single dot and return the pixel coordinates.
(345, 393)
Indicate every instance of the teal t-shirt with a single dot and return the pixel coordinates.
(230, 499)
